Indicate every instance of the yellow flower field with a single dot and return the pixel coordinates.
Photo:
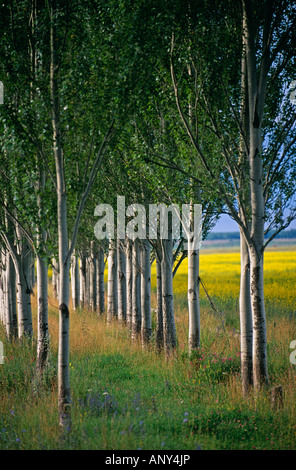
(220, 272)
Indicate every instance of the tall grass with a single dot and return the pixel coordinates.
(126, 398)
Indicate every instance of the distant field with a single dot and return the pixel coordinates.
(230, 243)
(220, 272)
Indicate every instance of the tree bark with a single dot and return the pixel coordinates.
(112, 283)
(12, 298)
(64, 394)
(55, 279)
(159, 314)
(121, 281)
(256, 96)
(193, 300)
(2, 301)
(9, 298)
(260, 371)
(92, 278)
(75, 282)
(193, 290)
(169, 328)
(24, 278)
(42, 315)
(6, 319)
(82, 269)
(146, 324)
(129, 283)
(100, 281)
(27, 267)
(246, 327)
(136, 292)
(23, 324)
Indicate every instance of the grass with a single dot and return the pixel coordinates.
(124, 398)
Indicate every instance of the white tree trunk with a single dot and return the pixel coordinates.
(87, 285)
(64, 393)
(146, 324)
(193, 300)
(193, 290)
(100, 281)
(159, 315)
(27, 269)
(136, 292)
(246, 328)
(23, 326)
(2, 302)
(75, 282)
(82, 269)
(121, 281)
(256, 95)
(92, 279)
(33, 278)
(12, 298)
(6, 314)
(169, 328)
(260, 372)
(55, 278)
(112, 296)
(129, 283)
(42, 314)
(260, 375)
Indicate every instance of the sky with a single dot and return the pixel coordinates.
(226, 224)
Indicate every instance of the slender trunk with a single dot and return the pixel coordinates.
(64, 393)
(136, 292)
(169, 329)
(260, 372)
(7, 317)
(146, 326)
(100, 281)
(92, 279)
(260, 375)
(27, 263)
(193, 292)
(33, 278)
(12, 298)
(112, 283)
(256, 100)
(42, 266)
(129, 284)
(246, 328)
(121, 281)
(75, 281)
(2, 302)
(55, 279)
(23, 326)
(193, 300)
(24, 285)
(42, 314)
(159, 315)
(42, 287)
(86, 293)
(193, 266)
(82, 269)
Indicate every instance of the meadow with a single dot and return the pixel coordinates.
(124, 398)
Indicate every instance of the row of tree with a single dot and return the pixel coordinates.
(175, 102)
